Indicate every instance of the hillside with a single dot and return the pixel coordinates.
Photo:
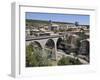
(43, 22)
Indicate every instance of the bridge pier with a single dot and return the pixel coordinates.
(55, 51)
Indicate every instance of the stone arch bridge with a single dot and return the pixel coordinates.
(43, 40)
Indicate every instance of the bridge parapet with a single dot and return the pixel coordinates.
(43, 37)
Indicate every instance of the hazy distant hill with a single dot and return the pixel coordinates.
(42, 22)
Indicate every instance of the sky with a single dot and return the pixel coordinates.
(71, 18)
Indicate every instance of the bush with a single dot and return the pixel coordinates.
(64, 61)
(34, 57)
(68, 61)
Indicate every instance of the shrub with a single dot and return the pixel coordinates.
(34, 57)
(64, 61)
(68, 61)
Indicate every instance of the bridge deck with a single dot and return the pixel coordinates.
(43, 37)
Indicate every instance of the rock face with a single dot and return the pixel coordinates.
(84, 48)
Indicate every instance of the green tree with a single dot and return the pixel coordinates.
(34, 57)
(30, 58)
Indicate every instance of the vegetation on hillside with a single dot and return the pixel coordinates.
(68, 61)
(34, 57)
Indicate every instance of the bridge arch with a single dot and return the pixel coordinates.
(59, 43)
(50, 49)
(50, 43)
(37, 44)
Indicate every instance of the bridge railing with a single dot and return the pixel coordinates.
(43, 37)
